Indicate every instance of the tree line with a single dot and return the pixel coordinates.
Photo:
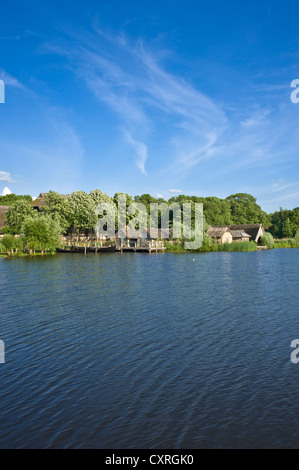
(76, 215)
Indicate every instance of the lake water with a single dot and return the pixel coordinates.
(150, 351)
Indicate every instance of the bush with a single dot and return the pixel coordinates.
(41, 233)
(8, 241)
(209, 244)
(267, 240)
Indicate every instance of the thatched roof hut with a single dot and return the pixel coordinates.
(39, 201)
(222, 233)
(254, 230)
(240, 235)
(241, 232)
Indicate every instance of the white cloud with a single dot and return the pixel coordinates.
(10, 80)
(5, 176)
(175, 191)
(133, 83)
(141, 150)
(5, 191)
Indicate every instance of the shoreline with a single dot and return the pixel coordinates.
(176, 251)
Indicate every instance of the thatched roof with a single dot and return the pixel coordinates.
(217, 231)
(240, 234)
(254, 230)
(3, 209)
(41, 200)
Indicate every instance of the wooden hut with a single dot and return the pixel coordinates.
(240, 236)
(254, 230)
(221, 233)
(241, 232)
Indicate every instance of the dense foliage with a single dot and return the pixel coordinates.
(16, 215)
(267, 240)
(284, 223)
(9, 199)
(41, 233)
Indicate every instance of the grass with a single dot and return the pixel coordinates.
(286, 243)
(169, 248)
(238, 246)
(205, 248)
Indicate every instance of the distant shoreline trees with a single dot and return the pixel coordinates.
(76, 214)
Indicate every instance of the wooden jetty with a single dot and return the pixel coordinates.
(140, 249)
(141, 245)
(86, 249)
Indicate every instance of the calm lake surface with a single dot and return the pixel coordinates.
(150, 351)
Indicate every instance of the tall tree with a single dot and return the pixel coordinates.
(17, 213)
(81, 208)
(58, 208)
(245, 210)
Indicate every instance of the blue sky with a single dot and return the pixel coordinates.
(160, 97)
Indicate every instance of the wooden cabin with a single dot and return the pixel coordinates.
(233, 233)
(256, 231)
(221, 233)
(240, 236)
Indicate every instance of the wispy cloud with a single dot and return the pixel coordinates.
(141, 151)
(9, 80)
(5, 176)
(131, 80)
(172, 125)
(175, 191)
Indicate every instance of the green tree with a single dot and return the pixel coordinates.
(16, 215)
(287, 229)
(280, 226)
(81, 208)
(98, 197)
(8, 241)
(129, 201)
(245, 210)
(41, 233)
(9, 199)
(58, 208)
